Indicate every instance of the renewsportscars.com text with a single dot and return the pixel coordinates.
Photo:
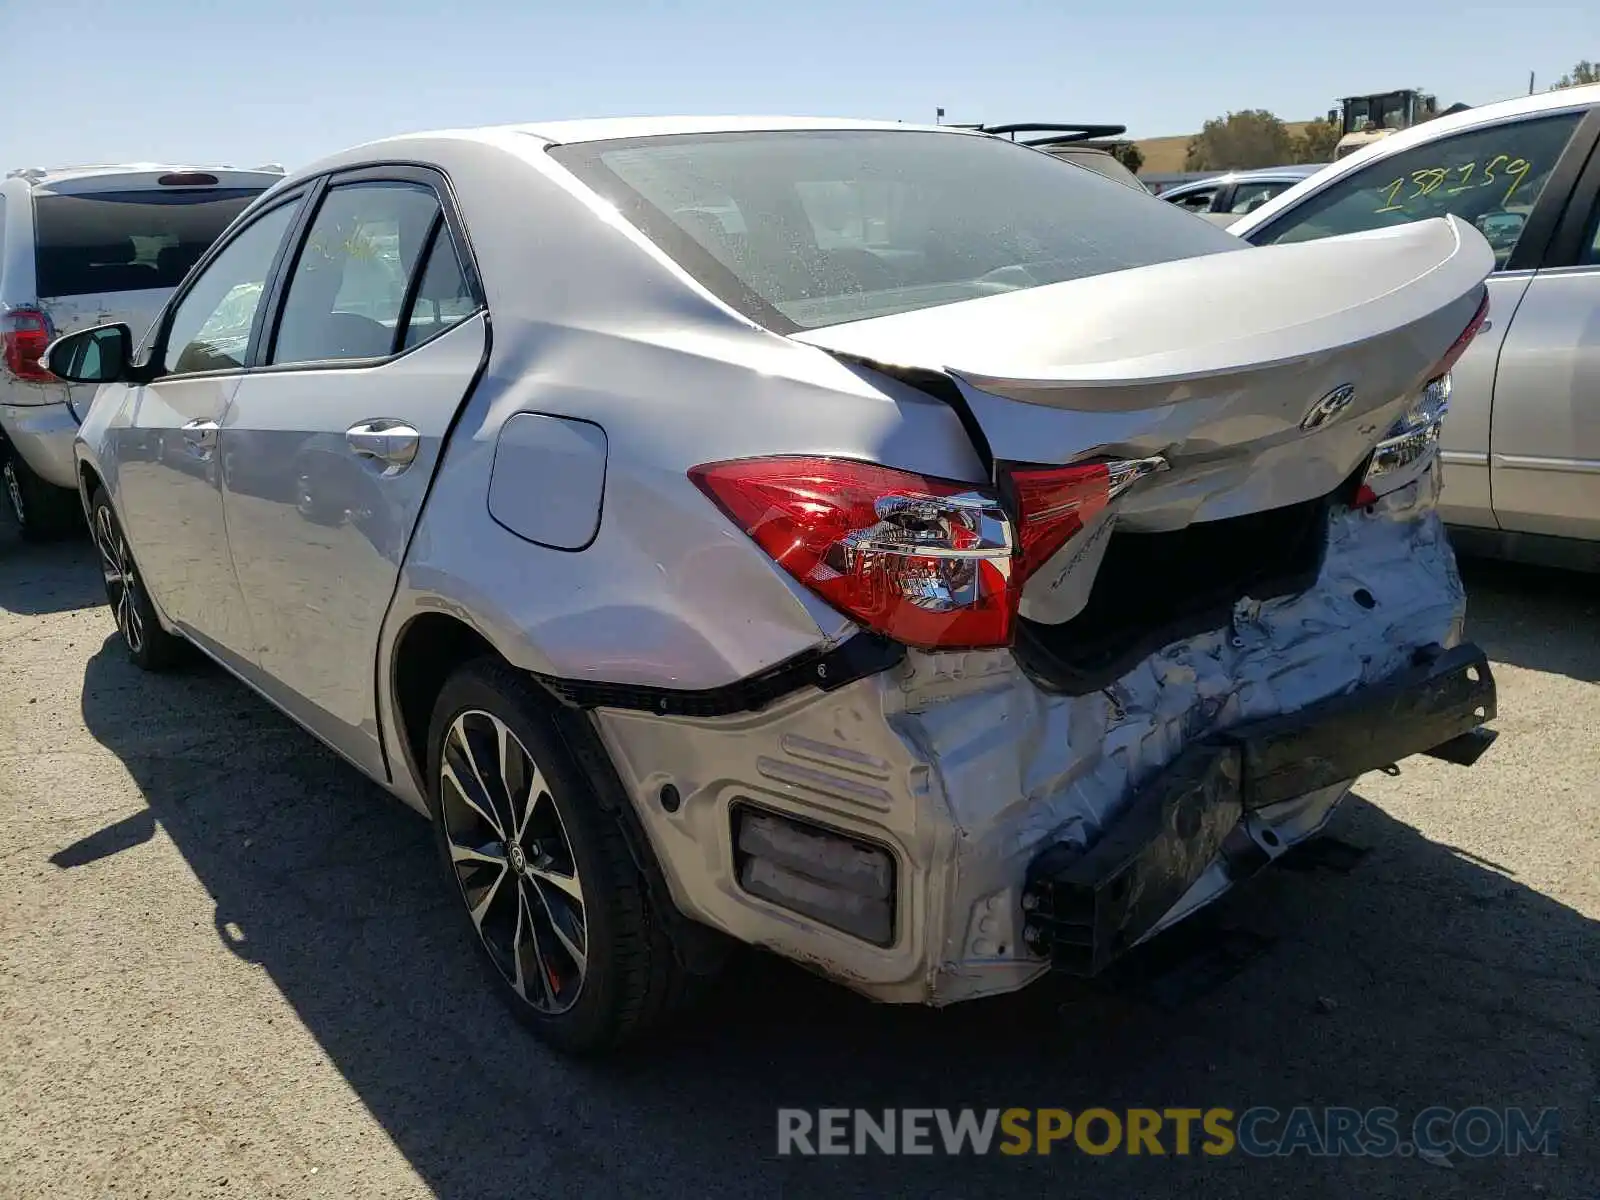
(1258, 1132)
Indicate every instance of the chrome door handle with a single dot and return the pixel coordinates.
(386, 440)
(200, 435)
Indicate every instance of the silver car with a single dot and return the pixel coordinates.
(1222, 198)
(1522, 446)
(748, 531)
(79, 247)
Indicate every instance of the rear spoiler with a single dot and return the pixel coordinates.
(1058, 134)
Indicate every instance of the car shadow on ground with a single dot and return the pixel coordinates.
(1423, 977)
(58, 576)
(1512, 611)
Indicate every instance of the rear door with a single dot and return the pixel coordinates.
(1544, 459)
(1509, 179)
(163, 443)
(330, 443)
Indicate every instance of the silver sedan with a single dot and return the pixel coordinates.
(751, 531)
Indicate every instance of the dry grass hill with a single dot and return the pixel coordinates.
(1165, 154)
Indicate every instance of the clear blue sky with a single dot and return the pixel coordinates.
(247, 81)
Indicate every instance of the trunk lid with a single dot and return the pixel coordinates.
(1220, 364)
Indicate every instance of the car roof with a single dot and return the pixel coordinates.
(608, 128)
(1563, 99)
(527, 141)
(1296, 171)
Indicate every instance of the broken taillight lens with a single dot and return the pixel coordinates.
(929, 562)
(24, 337)
(1415, 434)
(1055, 503)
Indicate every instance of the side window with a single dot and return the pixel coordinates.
(1196, 201)
(347, 289)
(1490, 178)
(1248, 197)
(443, 298)
(210, 328)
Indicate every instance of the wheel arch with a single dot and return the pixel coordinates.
(89, 480)
(429, 647)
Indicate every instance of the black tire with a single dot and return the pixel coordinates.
(150, 646)
(631, 978)
(43, 511)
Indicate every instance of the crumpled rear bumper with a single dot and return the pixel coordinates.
(947, 777)
(1086, 908)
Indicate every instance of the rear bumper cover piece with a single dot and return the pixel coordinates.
(1085, 908)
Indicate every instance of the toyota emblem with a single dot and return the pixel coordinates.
(1329, 407)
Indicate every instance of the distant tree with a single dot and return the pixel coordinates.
(1240, 140)
(1129, 155)
(1315, 143)
(1584, 72)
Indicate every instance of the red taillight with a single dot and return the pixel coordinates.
(926, 561)
(25, 333)
(1459, 346)
(929, 562)
(1053, 504)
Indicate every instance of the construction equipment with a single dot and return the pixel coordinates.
(1365, 119)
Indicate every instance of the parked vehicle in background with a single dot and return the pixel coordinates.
(1522, 444)
(824, 552)
(1161, 182)
(82, 246)
(1222, 199)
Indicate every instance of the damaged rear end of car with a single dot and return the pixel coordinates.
(1200, 589)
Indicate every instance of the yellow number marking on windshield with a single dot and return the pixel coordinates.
(1426, 181)
(1520, 168)
(1390, 193)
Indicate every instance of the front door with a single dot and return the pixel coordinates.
(168, 483)
(329, 446)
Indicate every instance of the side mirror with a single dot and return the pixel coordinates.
(98, 355)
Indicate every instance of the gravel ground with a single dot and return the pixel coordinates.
(226, 969)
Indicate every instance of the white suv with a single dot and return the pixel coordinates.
(83, 246)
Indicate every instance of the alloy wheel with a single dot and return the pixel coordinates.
(122, 582)
(513, 861)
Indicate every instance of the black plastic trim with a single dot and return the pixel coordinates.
(743, 804)
(861, 655)
(1085, 908)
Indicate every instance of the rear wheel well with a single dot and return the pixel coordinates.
(430, 648)
(91, 481)
(428, 652)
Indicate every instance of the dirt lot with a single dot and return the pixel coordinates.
(226, 968)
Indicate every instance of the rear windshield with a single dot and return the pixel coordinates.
(127, 241)
(799, 230)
